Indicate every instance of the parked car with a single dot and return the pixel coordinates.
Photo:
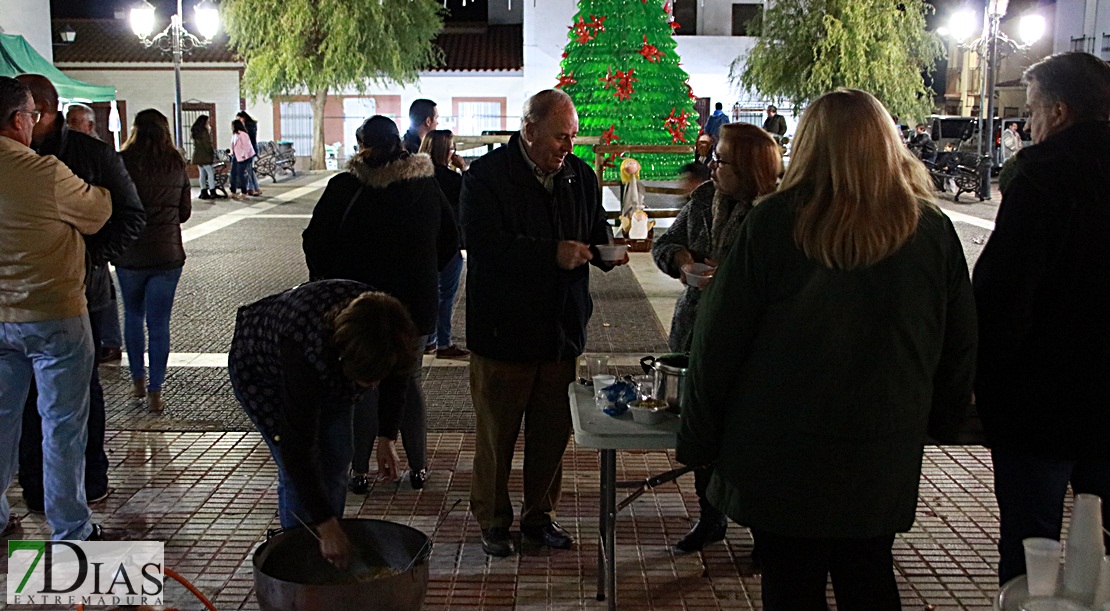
(950, 129)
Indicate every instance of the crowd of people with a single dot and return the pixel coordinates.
(841, 330)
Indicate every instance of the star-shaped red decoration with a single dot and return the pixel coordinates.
(588, 31)
(608, 80)
(566, 79)
(583, 32)
(610, 161)
(650, 51)
(624, 84)
(597, 24)
(675, 25)
(676, 125)
(690, 92)
(608, 136)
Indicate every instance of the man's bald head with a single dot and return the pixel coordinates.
(46, 102)
(46, 96)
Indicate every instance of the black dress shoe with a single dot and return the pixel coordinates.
(703, 533)
(497, 542)
(14, 524)
(550, 535)
(418, 478)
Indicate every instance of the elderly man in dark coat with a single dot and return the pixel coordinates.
(531, 215)
(1043, 295)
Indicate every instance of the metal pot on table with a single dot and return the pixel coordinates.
(291, 575)
(669, 371)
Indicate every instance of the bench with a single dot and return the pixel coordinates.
(965, 170)
(274, 159)
(222, 167)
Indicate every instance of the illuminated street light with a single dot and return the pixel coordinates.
(961, 26)
(175, 39)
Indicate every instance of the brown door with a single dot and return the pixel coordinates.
(701, 105)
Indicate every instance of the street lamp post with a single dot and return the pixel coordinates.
(176, 40)
(987, 46)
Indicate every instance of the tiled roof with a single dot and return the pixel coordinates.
(496, 47)
(112, 41)
(465, 48)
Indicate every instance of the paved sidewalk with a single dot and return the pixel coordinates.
(199, 478)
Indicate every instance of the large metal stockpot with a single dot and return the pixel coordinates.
(670, 376)
(291, 575)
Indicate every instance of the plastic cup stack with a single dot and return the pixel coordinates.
(1084, 550)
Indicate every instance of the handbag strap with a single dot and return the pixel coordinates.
(350, 204)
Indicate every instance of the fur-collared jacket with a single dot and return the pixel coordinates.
(388, 226)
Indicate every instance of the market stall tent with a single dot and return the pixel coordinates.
(18, 57)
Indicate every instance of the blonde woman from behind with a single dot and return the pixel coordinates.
(837, 332)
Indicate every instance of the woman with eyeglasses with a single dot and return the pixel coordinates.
(439, 144)
(746, 165)
(838, 331)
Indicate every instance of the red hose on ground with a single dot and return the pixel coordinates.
(188, 586)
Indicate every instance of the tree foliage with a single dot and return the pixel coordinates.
(314, 46)
(811, 47)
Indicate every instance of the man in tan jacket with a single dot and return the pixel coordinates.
(44, 323)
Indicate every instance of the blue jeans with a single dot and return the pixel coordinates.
(59, 353)
(240, 175)
(403, 387)
(148, 296)
(333, 456)
(252, 178)
(1030, 493)
(207, 176)
(448, 287)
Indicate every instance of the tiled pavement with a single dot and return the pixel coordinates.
(198, 477)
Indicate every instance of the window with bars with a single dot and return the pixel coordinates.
(472, 117)
(189, 113)
(1083, 43)
(1105, 46)
(296, 125)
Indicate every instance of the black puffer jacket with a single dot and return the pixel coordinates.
(520, 306)
(168, 204)
(96, 163)
(387, 226)
(1042, 288)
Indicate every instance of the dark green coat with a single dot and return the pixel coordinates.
(812, 389)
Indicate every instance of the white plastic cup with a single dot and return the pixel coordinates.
(1042, 565)
(1086, 523)
(600, 382)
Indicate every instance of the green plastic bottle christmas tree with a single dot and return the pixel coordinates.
(622, 71)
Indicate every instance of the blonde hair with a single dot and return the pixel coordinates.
(757, 157)
(437, 145)
(864, 188)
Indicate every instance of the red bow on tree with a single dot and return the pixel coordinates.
(566, 79)
(608, 136)
(624, 84)
(650, 51)
(676, 125)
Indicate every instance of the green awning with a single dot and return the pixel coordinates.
(17, 57)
